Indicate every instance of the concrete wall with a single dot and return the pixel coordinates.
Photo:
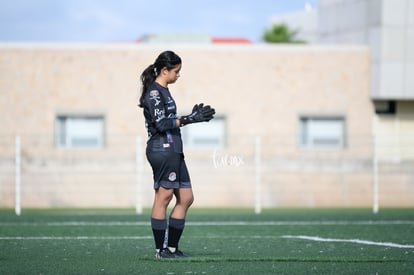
(387, 27)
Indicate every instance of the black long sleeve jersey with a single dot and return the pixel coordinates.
(160, 112)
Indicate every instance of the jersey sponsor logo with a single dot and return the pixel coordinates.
(172, 176)
(159, 114)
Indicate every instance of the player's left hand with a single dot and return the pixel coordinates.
(207, 112)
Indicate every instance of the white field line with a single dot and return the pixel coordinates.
(77, 238)
(357, 241)
(217, 223)
(311, 238)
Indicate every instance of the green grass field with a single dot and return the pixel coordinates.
(220, 241)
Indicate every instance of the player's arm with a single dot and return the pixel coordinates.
(156, 108)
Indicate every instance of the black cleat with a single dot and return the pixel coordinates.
(180, 254)
(165, 254)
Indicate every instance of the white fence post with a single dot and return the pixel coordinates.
(258, 202)
(18, 177)
(138, 175)
(375, 201)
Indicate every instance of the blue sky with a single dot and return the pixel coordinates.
(127, 20)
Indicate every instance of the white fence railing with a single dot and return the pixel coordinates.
(256, 172)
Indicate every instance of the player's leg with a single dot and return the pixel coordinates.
(184, 194)
(184, 199)
(159, 215)
(162, 198)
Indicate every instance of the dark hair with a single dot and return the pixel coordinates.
(167, 59)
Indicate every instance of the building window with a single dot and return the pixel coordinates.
(79, 131)
(206, 135)
(322, 132)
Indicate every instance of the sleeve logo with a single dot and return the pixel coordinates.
(155, 95)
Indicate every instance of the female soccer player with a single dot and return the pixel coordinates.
(165, 151)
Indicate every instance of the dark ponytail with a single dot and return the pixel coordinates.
(147, 77)
(167, 59)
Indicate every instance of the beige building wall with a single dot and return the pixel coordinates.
(260, 90)
(395, 133)
(394, 154)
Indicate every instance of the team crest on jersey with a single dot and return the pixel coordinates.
(172, 176)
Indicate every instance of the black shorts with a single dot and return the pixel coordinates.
(169, 169)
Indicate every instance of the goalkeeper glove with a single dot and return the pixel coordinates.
(200, 113)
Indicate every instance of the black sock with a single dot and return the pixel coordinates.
(158, 230)
(175, 229)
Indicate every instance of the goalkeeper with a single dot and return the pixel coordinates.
(165, 151)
